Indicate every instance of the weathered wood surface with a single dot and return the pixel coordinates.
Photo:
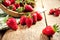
(32, 33)
(51, 20)
(35, 32)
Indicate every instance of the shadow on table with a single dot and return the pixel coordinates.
(43, 37)
(2, 33)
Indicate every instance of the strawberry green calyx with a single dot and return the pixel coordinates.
(28, 14)
(56, 29)
(10, 7)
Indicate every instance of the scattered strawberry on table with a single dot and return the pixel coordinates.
(30, 18)
(28, 8)
(29, 21)
(19, 5)
(11, 22)
(50, 30)
(22, 20)
(39, 16)
(34, 16)
(55, 11)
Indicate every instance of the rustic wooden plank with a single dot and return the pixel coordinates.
(51, 20)
(32, 33)
(48, 4)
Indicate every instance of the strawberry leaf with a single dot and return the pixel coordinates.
(28, 14)
(20, 9)
(5, 19)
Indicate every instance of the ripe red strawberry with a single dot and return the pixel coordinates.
(6, 3)
(17, 5)
(51, 11)
(28, 8)
(12, 1)
(12, 23)
(39, 16)
(12, 7)
(49, 31)
(29, 21)
(56, 13)
(34, 16)
(22, 20)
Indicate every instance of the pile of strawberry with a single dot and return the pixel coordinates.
(19, 5)
(29, 19)
(55, 11)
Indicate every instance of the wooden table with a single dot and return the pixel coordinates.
(51, 20)
(47, 19)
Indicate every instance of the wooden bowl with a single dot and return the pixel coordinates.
(10, 12)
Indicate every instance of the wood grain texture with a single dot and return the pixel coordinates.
(32, 33)
(51, 20)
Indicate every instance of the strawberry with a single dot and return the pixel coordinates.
(6, 3)
(17, 5)
(56, 13)
(51, 11)
(12, 23)
(22, 20)
(12, 1)
(39, 17)
(28, 8)
(12, 7)
(34, 16)
(49, 30)
(29, 21)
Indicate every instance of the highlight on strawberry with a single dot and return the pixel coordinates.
(50, 30)
(55, 11)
